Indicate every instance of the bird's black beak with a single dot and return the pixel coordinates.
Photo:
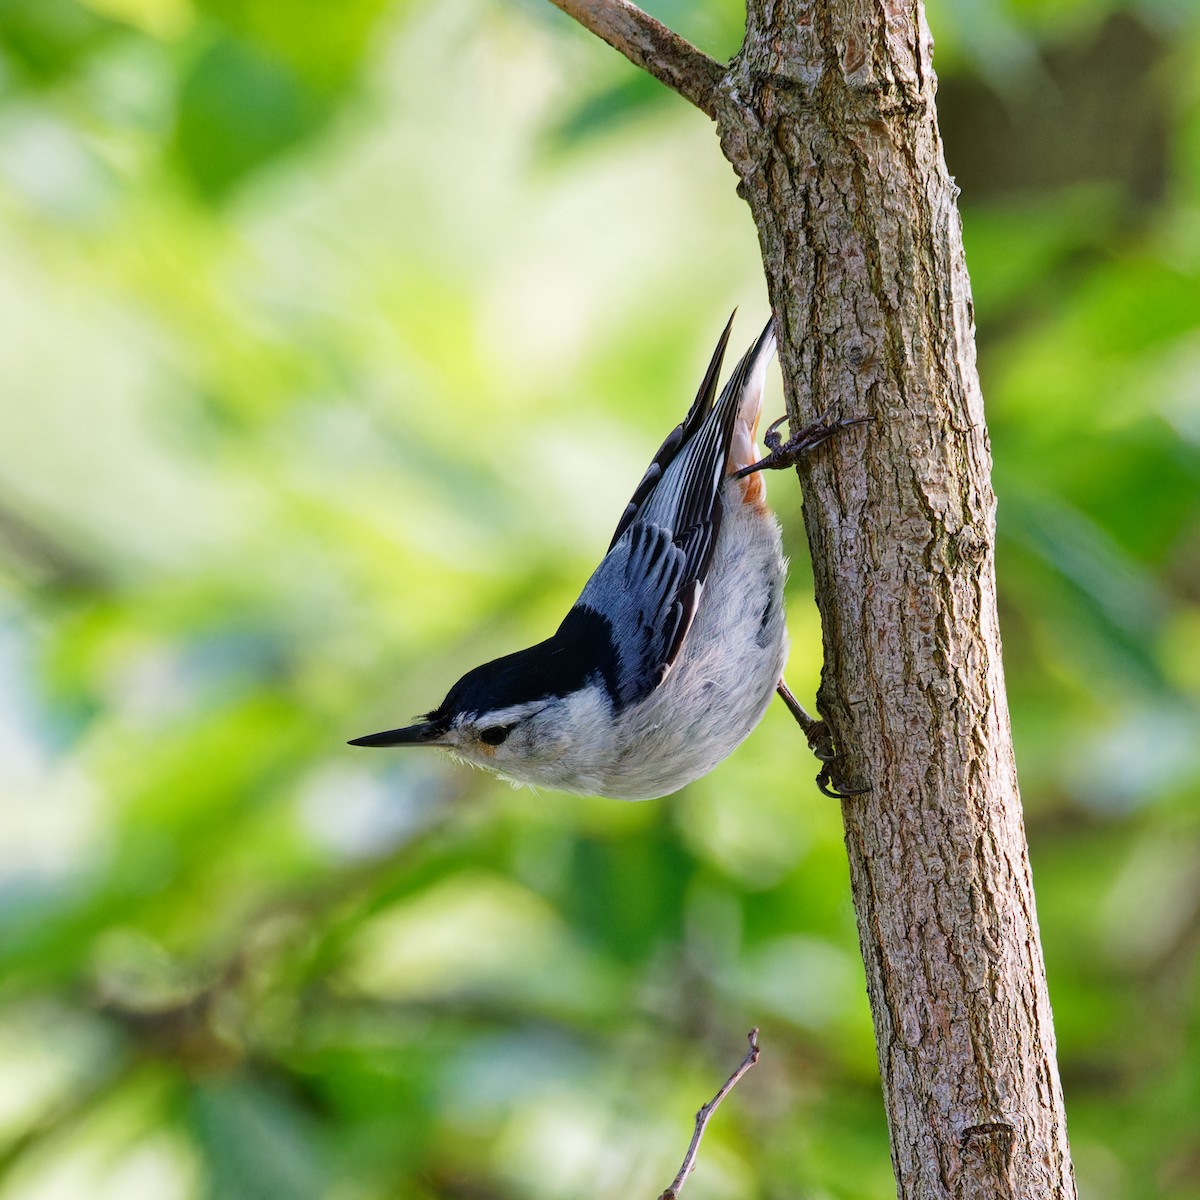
(427, 733)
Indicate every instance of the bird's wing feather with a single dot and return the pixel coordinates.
(679, 436)
(642, 589)
(649, 585)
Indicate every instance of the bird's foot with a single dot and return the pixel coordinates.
(826, 783)
(788, 454)
(820, 742)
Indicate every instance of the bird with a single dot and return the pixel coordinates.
(677, 644)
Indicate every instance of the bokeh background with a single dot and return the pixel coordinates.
(333, 338)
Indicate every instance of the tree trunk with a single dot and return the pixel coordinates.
(827, 115)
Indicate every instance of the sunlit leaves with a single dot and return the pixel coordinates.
(51, 38)
(238, 109)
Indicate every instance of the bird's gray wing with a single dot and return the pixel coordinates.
(679, 436)
(649, 585)
(642, 591)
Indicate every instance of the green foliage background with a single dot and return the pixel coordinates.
(334, 339)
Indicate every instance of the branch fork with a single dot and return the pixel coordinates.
(649, 44)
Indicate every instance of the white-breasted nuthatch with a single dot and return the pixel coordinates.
(671, 654)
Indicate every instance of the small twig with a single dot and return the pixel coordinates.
(649, 44)
(702, 1118)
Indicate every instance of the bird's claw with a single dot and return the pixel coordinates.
(820, 742)
(788, 454)
(772, 438)
(827, 787)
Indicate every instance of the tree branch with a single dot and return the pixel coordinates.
(649, 44)
(705, 1113)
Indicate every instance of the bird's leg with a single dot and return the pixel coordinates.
(820, 742)
(814, 729)
(788, 454)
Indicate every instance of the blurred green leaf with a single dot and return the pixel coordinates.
(635, 94)
(51, 38)
(322, 44)
(257, 1144)
(238, 109)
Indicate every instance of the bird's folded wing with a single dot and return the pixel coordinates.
(649, 585)
(678, 437)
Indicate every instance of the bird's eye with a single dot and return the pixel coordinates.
(495, 735)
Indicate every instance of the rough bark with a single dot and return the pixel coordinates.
(827, 115)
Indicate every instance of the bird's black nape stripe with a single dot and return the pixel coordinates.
(581, 649)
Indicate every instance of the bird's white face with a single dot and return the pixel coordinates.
(508, 740)
(546, 742)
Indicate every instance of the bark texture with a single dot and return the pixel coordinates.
(828, 118)
(827, 115)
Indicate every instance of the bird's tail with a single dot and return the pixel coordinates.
(743, 447)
